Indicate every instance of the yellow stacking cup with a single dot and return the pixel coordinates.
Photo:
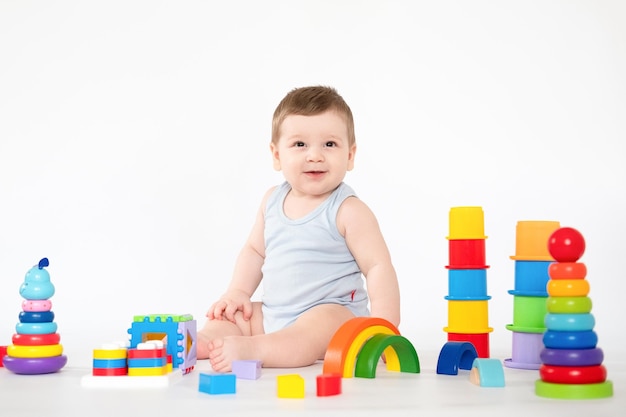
(468, 317)
(467, 223)
(531, 240)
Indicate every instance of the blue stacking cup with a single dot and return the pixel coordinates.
(467, 284)
(531, 278)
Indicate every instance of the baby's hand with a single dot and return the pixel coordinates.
(226, 307)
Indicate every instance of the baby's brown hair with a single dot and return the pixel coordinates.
(310, 101)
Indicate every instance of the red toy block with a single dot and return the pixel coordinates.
(3, 351)
(328, 384)
(147, 353)
(110, 371)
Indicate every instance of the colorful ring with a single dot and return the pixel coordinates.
(573, 391)
(36, 317)
(569, 305)
(572, 357)
(43, 351)
(36, 305)
(573, 374)
(567, 270)
(36, 339)
(570, 322)
(568, 287)
(34, 366)
(570, 340)
(36, 328)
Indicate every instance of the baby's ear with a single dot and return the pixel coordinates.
(275, 156)
(351, 157)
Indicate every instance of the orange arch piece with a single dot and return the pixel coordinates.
(345, 344)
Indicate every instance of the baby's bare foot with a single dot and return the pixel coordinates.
(202, 346)
(222, 352)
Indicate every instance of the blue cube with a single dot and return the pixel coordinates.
(217, 383)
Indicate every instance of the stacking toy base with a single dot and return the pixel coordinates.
(510, 363)
(34, 366)
(573, 391)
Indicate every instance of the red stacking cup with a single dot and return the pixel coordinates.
(466, 254)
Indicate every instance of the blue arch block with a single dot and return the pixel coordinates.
(455, 355)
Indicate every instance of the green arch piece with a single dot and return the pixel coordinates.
(372, 350)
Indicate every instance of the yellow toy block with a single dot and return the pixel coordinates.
(158, 371)
(290, 386)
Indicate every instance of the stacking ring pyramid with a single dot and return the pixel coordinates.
(36, 348)
(572, 363)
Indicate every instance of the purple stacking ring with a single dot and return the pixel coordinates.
(34, 366)
(572, 357)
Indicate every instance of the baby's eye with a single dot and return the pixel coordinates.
(299, 144)
(330, 144)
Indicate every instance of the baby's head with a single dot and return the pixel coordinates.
(310, 101)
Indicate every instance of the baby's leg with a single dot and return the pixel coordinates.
(220, 329)
(300, 344)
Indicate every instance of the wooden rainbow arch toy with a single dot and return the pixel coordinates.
(368, 337)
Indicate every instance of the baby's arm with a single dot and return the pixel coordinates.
(360, 228)
(246, 275)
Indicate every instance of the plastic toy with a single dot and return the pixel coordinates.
(328, 385)
(455, 356)
(572, 357)
(347, 341)
(572, 366)
(570, 340)
(566, 244)
(216, 384)
(532, 262)
(247, 369)
(36, 348)
(569, 304)
(487, 373)
(147, 361)
(467, 279)
(180, 331)
(372, 350)
(290, 386)
(3, 351)
(568, 322)
(567, 270)
(568, 287)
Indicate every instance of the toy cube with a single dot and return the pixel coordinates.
(247, 369)
(290, 386)
(217, 383)
(328, 384)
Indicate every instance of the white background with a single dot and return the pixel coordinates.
(134, 144)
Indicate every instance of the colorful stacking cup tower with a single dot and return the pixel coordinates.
(36, 348)
(572, 363)
(532, 260)
(467, 279)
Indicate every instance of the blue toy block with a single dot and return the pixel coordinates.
(487, 373)
(455, 355)
(109, 363)
(147, 363)
(216, 384)
(247, 369)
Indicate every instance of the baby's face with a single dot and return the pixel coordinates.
(313, 152)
